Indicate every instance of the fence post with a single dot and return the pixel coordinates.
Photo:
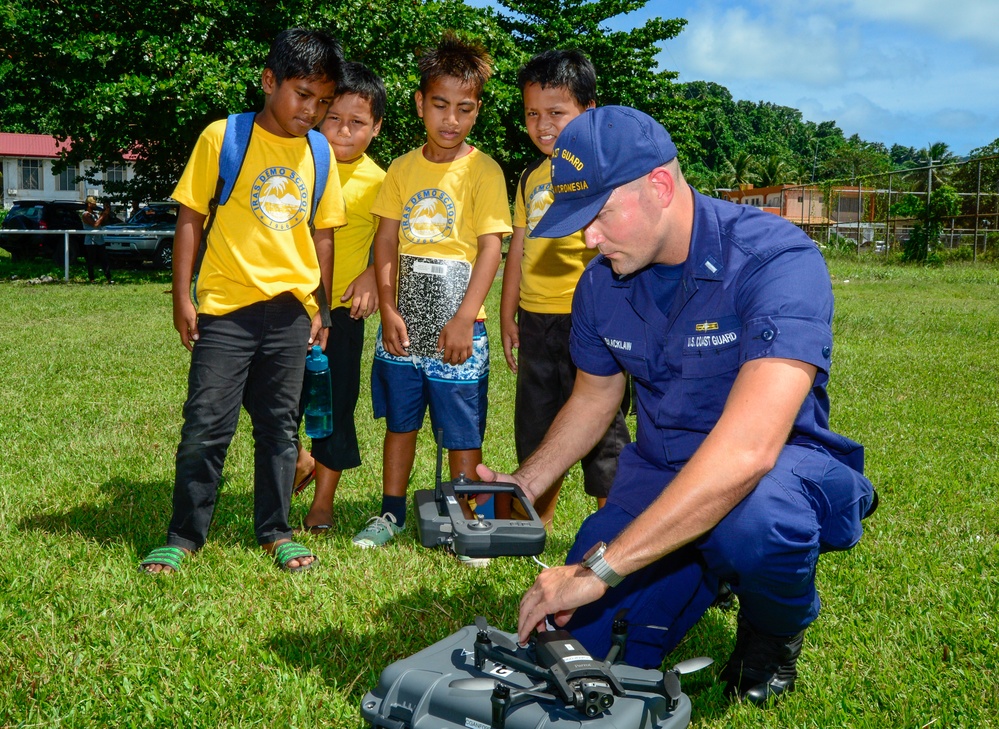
(978, 206)
(65, 255)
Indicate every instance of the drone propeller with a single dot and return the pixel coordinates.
(671, 678)
(488, 684)
(498, 639)
(692, 664)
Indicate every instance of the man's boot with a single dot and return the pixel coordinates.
(762, 667)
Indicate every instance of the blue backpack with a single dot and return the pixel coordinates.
(235, 143)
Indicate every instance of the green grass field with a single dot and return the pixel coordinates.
(92, 379)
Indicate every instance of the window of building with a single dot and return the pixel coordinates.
(30, 171)
(849, 204)
(115, 173)
(66, 180)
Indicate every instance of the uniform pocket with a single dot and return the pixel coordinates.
(710, 347)
(840, 496)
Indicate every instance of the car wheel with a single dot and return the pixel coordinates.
(163, 257)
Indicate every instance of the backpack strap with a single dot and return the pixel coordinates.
(320, 148)
(321, 160)
(527, 173)
(235, 142)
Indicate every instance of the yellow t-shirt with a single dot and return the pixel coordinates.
(443, 208)
(260, 245)
(360, 182)
(551, 267)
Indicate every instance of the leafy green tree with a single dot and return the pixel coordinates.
(772, 170)
(856, 158)
(944, 202)
(740, 169)
(145, 78)
(627, 71)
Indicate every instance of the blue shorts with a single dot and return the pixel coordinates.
(403, 387)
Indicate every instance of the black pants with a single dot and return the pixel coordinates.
(254, 356)
(97, 255)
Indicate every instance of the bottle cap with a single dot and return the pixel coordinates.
(316, 361)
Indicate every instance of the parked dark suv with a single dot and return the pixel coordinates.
(146, 236)
(43, 215)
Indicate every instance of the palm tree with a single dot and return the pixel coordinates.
(772, 170)
(739, 167)
(936, 170)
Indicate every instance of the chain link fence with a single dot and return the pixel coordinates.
(874, 212)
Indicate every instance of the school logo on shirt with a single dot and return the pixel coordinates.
(538, 202)
(428, 217)
(279, 198)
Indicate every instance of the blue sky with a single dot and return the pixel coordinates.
(910, 72)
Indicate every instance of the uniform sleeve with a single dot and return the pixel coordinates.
(587, 347)
(388, 202)
(491, 205)
(786, 306)
(197, 184)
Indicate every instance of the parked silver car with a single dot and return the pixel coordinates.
(146, 236)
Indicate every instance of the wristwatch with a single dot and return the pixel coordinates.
(595, 562)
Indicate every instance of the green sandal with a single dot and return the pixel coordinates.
(168, 556)
(286, 552)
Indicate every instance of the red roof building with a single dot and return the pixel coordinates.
(26, 168)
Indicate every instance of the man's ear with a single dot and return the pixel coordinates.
(418, 98)
(376, 128)
(664, 183)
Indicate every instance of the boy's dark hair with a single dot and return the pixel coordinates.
(361, 80)
(308, 54)
(570, 70)
(468, 62)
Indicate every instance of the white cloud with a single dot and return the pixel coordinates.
(734, 44)
(973, 21)
(897, 71)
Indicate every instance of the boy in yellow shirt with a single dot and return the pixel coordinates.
(444, 212)
(540, 276)
(257, 308)
(352, 122)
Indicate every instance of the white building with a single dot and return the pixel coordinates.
(26, 165)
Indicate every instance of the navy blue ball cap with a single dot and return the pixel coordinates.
(598, 151)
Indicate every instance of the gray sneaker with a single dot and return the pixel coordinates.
(378, 532)
(476, 562)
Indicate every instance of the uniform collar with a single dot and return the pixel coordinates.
(705, 258)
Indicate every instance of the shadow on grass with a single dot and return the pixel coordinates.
(352, 661)
(137, 514)
(122, 271)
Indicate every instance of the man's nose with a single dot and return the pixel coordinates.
(591, 236)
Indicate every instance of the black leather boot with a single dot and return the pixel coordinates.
(762, 667)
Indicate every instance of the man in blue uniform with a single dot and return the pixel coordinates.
(722, 315)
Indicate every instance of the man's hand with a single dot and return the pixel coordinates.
(455, 340)
(488, 475)
(557, 591)
(317, 332)
(185, 321)
(395, 337)
(362, 293)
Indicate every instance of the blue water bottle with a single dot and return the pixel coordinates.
(318, 395)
